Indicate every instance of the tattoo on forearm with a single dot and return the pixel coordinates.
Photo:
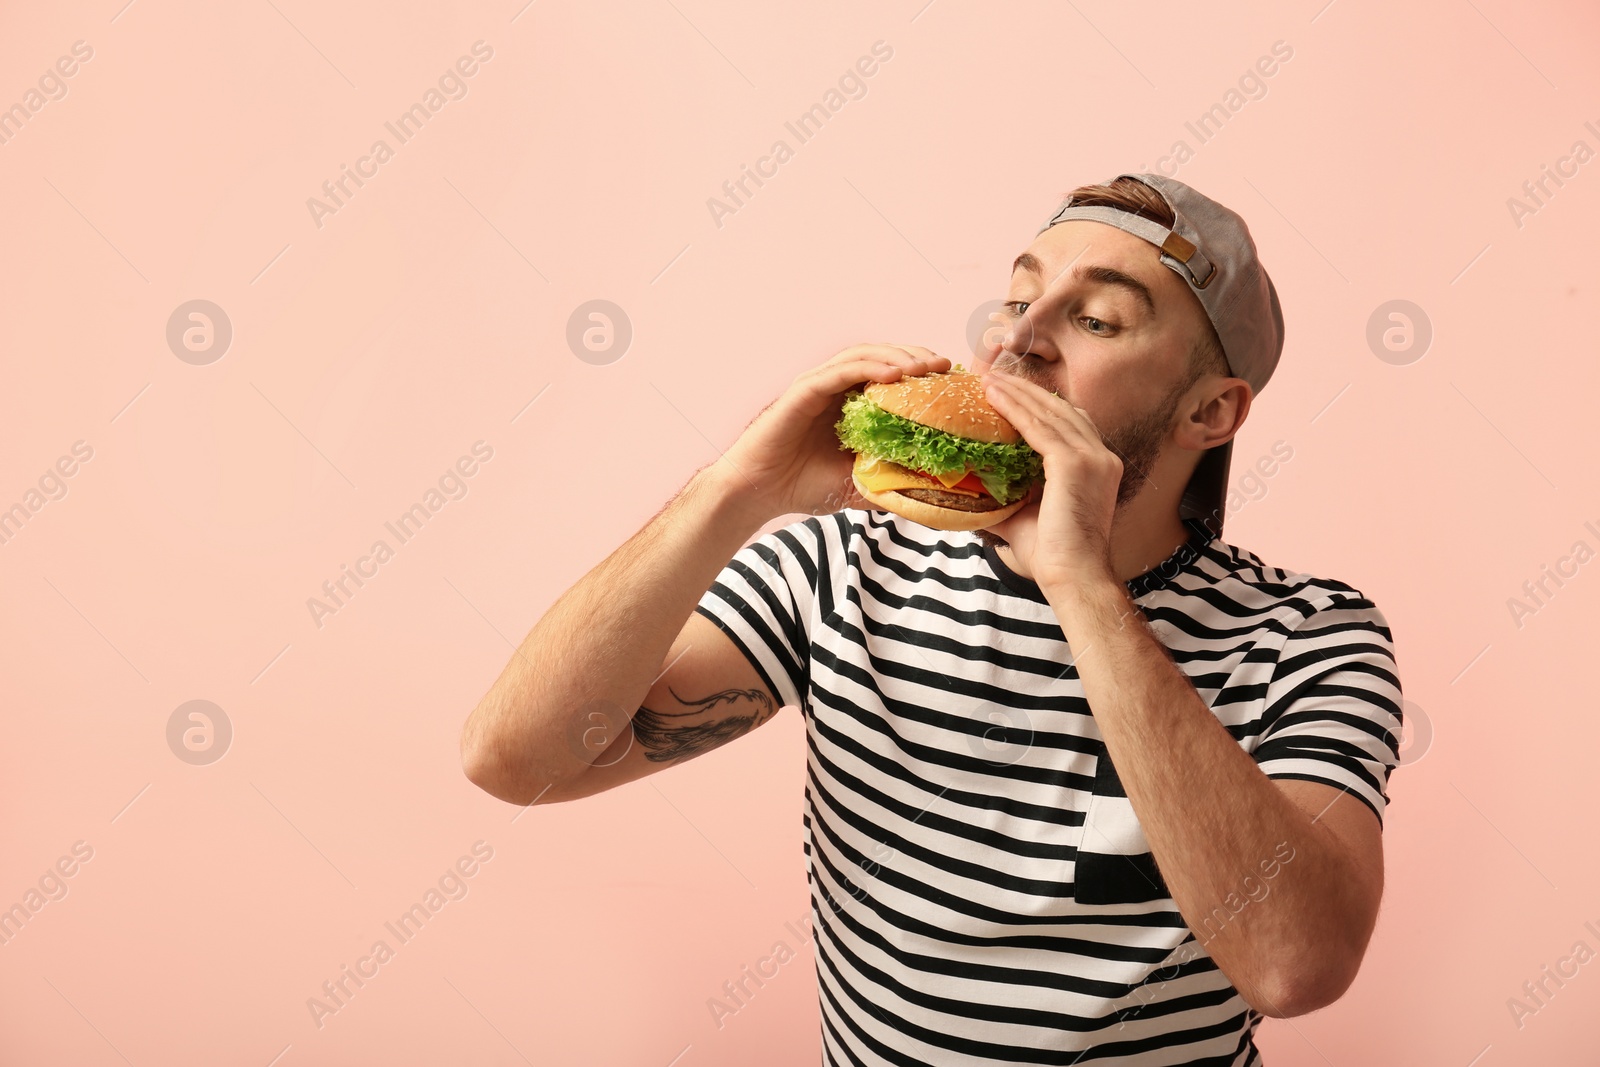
(670, 735)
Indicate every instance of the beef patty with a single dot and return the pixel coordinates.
(954, 501)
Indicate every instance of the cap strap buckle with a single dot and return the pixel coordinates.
(1183, 250)
(1175, 247)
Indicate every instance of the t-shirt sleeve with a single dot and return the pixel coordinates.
(762, 600)
(1333, 707)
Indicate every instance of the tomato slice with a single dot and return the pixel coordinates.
(971, 482)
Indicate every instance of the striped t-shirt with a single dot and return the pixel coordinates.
(981, 891)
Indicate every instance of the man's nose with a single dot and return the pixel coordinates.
(1022, 339)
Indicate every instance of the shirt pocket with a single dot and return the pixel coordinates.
(1114, 864)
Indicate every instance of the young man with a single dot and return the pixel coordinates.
(1091, 785)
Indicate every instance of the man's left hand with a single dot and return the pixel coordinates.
(1064, 533)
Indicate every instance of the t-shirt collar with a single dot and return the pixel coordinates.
(1181, 558)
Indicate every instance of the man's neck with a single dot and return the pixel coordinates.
(1143, 533)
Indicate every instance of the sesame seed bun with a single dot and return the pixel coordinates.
(952, 401)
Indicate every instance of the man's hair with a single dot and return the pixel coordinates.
(1130, 194)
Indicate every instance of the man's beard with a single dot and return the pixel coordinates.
(1137, 443)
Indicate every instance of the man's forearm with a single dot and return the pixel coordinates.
(1209, 813)
(603, 639)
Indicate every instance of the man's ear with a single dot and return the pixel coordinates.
(1215, 412)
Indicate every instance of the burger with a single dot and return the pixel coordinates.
(930, 448)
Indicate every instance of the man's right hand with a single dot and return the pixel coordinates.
(788, 460)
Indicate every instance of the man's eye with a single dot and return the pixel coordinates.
(1096, 326)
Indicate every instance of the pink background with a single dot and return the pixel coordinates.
(371, 352)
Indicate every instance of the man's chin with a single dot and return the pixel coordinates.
(999, 533)
(990, 538)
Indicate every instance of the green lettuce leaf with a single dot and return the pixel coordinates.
(1006, 471)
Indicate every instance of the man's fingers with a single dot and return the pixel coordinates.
(904, 355)
(927, 354)
(842, 376)
(887, 357)
(1049, 410)
(1040, 417)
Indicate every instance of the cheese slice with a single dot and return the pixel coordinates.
(881, 476)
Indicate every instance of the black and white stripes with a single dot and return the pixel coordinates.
(981, 889)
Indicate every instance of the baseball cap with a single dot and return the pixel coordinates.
(1210, 248)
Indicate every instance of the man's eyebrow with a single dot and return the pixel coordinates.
(1098, 274)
